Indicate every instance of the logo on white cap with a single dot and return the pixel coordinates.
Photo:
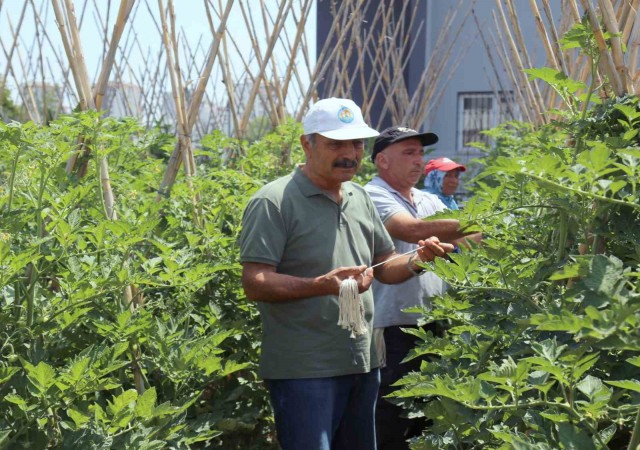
(345, 115)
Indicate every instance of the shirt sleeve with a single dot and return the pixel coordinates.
(383, 243)
(385, 202)
(263, 236)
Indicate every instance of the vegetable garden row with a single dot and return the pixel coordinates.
(132, 331)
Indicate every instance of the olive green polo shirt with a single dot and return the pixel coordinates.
(296, 227)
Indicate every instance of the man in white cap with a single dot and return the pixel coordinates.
(398, 153)
(302, 235)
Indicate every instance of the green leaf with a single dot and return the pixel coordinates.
(635, 361)
(79, 418)
(573, 438)
(606, 434)
(78, 370)
(605, 274)
(597, 159)
(631, 385)
(210, 364)
(548, 349)
(629, 135)
(41, 376)
(568, 271)
(556, 79)
(7, 372)
(584, 364)
(146, 403)
(555, 416)
(630, 113)
(594, 389)
(232, 366)
(16, 400)
(122, 401)
(165, 409)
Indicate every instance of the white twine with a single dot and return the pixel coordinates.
(351, 315)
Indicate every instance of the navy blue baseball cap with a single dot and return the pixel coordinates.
(392, 135)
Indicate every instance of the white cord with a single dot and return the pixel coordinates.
(351, 309)
(351, 315)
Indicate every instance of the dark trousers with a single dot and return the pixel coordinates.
(392, 429)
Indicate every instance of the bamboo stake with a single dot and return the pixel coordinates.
(21, 92)
(227, 78)
(519, 89)
(73, 47)
(31, 105)
(378, 59)
(554, 36)
(605, 56)
(184, 139)
(532, 99)
(633, 52)
(107, 65)
(45, 101)
(323, 64)
(494, 67)
(609, 17)
(517, 31)
(194, 107)
(14, 45)
(542, 31)
(291, 67)
(433, 74)
(364, 49)
(628, 19)
(39, 22)
(284, 6)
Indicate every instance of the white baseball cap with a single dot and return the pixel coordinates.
(337, 118)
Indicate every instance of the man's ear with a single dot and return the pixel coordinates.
(306, 145)
(382, 162)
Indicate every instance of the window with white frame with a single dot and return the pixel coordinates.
(479, 111)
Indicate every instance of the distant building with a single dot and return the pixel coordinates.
(473, 100)
(43, 100)
(123, 100)
(242, 91)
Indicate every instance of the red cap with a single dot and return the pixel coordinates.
(443, 164)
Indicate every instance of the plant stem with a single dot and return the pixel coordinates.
(12, 178)
(34, 267)
(635, 436)
(580, 192)
(562, 236)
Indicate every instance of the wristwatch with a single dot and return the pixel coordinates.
(417, 271)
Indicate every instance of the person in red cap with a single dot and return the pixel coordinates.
(442, 178)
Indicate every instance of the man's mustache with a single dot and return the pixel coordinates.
(345, 163)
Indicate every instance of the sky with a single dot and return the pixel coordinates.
(191, 20)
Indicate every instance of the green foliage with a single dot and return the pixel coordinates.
(70, 342)
(542, 343)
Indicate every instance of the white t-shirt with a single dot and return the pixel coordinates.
(390, 299)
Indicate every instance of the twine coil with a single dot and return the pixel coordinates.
(351, 314)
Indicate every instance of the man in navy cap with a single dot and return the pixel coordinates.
(398, 154)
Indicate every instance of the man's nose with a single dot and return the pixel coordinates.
(352, 148)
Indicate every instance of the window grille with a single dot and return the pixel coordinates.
(479, 111)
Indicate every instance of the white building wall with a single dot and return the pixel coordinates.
(475, 73)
